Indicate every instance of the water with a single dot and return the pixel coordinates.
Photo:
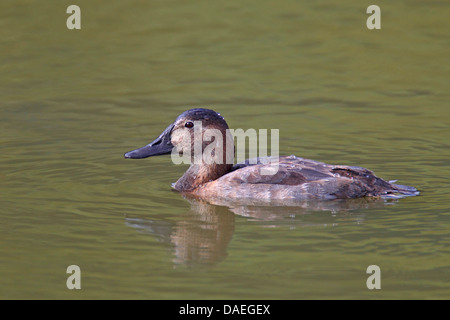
(74, 101)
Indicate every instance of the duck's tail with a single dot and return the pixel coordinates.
(401, 191)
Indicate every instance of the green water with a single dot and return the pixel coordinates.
(73, 101)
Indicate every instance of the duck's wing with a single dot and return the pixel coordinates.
(283, 171)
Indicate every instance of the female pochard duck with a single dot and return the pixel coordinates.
(292, 178)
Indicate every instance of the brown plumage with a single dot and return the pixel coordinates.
(295, 179)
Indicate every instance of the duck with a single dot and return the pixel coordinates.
(277, 179)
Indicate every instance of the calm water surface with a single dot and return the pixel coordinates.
(74, 101)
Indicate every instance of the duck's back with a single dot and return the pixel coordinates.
(297, 178)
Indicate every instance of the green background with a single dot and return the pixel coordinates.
(73, 101)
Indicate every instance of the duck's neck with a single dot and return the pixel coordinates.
(197, 175)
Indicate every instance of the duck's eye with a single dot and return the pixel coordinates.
(189, 124)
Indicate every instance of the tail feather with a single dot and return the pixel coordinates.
(404, 191)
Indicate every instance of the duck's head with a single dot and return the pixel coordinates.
(196, 133)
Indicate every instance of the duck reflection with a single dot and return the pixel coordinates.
(201, 237)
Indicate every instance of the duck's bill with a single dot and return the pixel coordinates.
(159, 146)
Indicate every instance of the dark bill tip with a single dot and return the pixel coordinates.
(159, 146)
(149, 151)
